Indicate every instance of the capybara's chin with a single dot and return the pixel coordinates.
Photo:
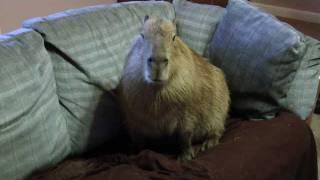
(156, 82)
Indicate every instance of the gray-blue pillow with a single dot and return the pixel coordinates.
(260, 56)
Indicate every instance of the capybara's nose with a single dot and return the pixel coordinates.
(157, 61)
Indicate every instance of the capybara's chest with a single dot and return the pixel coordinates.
(164, 123)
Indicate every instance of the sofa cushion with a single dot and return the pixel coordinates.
(260, 57)
(33, 132)
(303, 90)
(88, 48)
(196, 23)
(282, 148)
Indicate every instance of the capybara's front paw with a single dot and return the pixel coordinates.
(208, 143)
(186, 155)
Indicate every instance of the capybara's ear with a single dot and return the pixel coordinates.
(146, 18)
(174, 22)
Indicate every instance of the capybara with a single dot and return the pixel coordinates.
(167, 89)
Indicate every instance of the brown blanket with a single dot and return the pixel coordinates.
(279, 149)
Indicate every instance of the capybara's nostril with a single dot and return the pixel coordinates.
(165, 61)
(150, 60)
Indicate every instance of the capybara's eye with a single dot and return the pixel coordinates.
(174, 37)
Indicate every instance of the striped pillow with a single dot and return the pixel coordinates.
(88, 48)
(196, 23)
(33, 132)
(260, 57)
(303, 90)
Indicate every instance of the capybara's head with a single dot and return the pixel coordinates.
(158, 36)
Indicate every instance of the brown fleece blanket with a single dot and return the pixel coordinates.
(279, 149)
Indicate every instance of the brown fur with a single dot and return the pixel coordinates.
(192, 103)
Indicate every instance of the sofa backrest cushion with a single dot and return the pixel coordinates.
(196, 23)
(260, 57)
(33, 132)
(88, 48)
(302, 94)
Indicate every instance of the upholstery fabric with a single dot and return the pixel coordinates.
(33, 132)
(88, 48)
(246, 152)
(196, 23)
(303, 90)
(260, 57)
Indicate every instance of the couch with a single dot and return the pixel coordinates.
(60, 118)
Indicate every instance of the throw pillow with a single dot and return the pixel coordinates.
(260, 56)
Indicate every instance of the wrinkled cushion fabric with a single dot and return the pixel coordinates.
(196, 23)
(260, 57)
(88, 48)
(33, 132)
(246, 152)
